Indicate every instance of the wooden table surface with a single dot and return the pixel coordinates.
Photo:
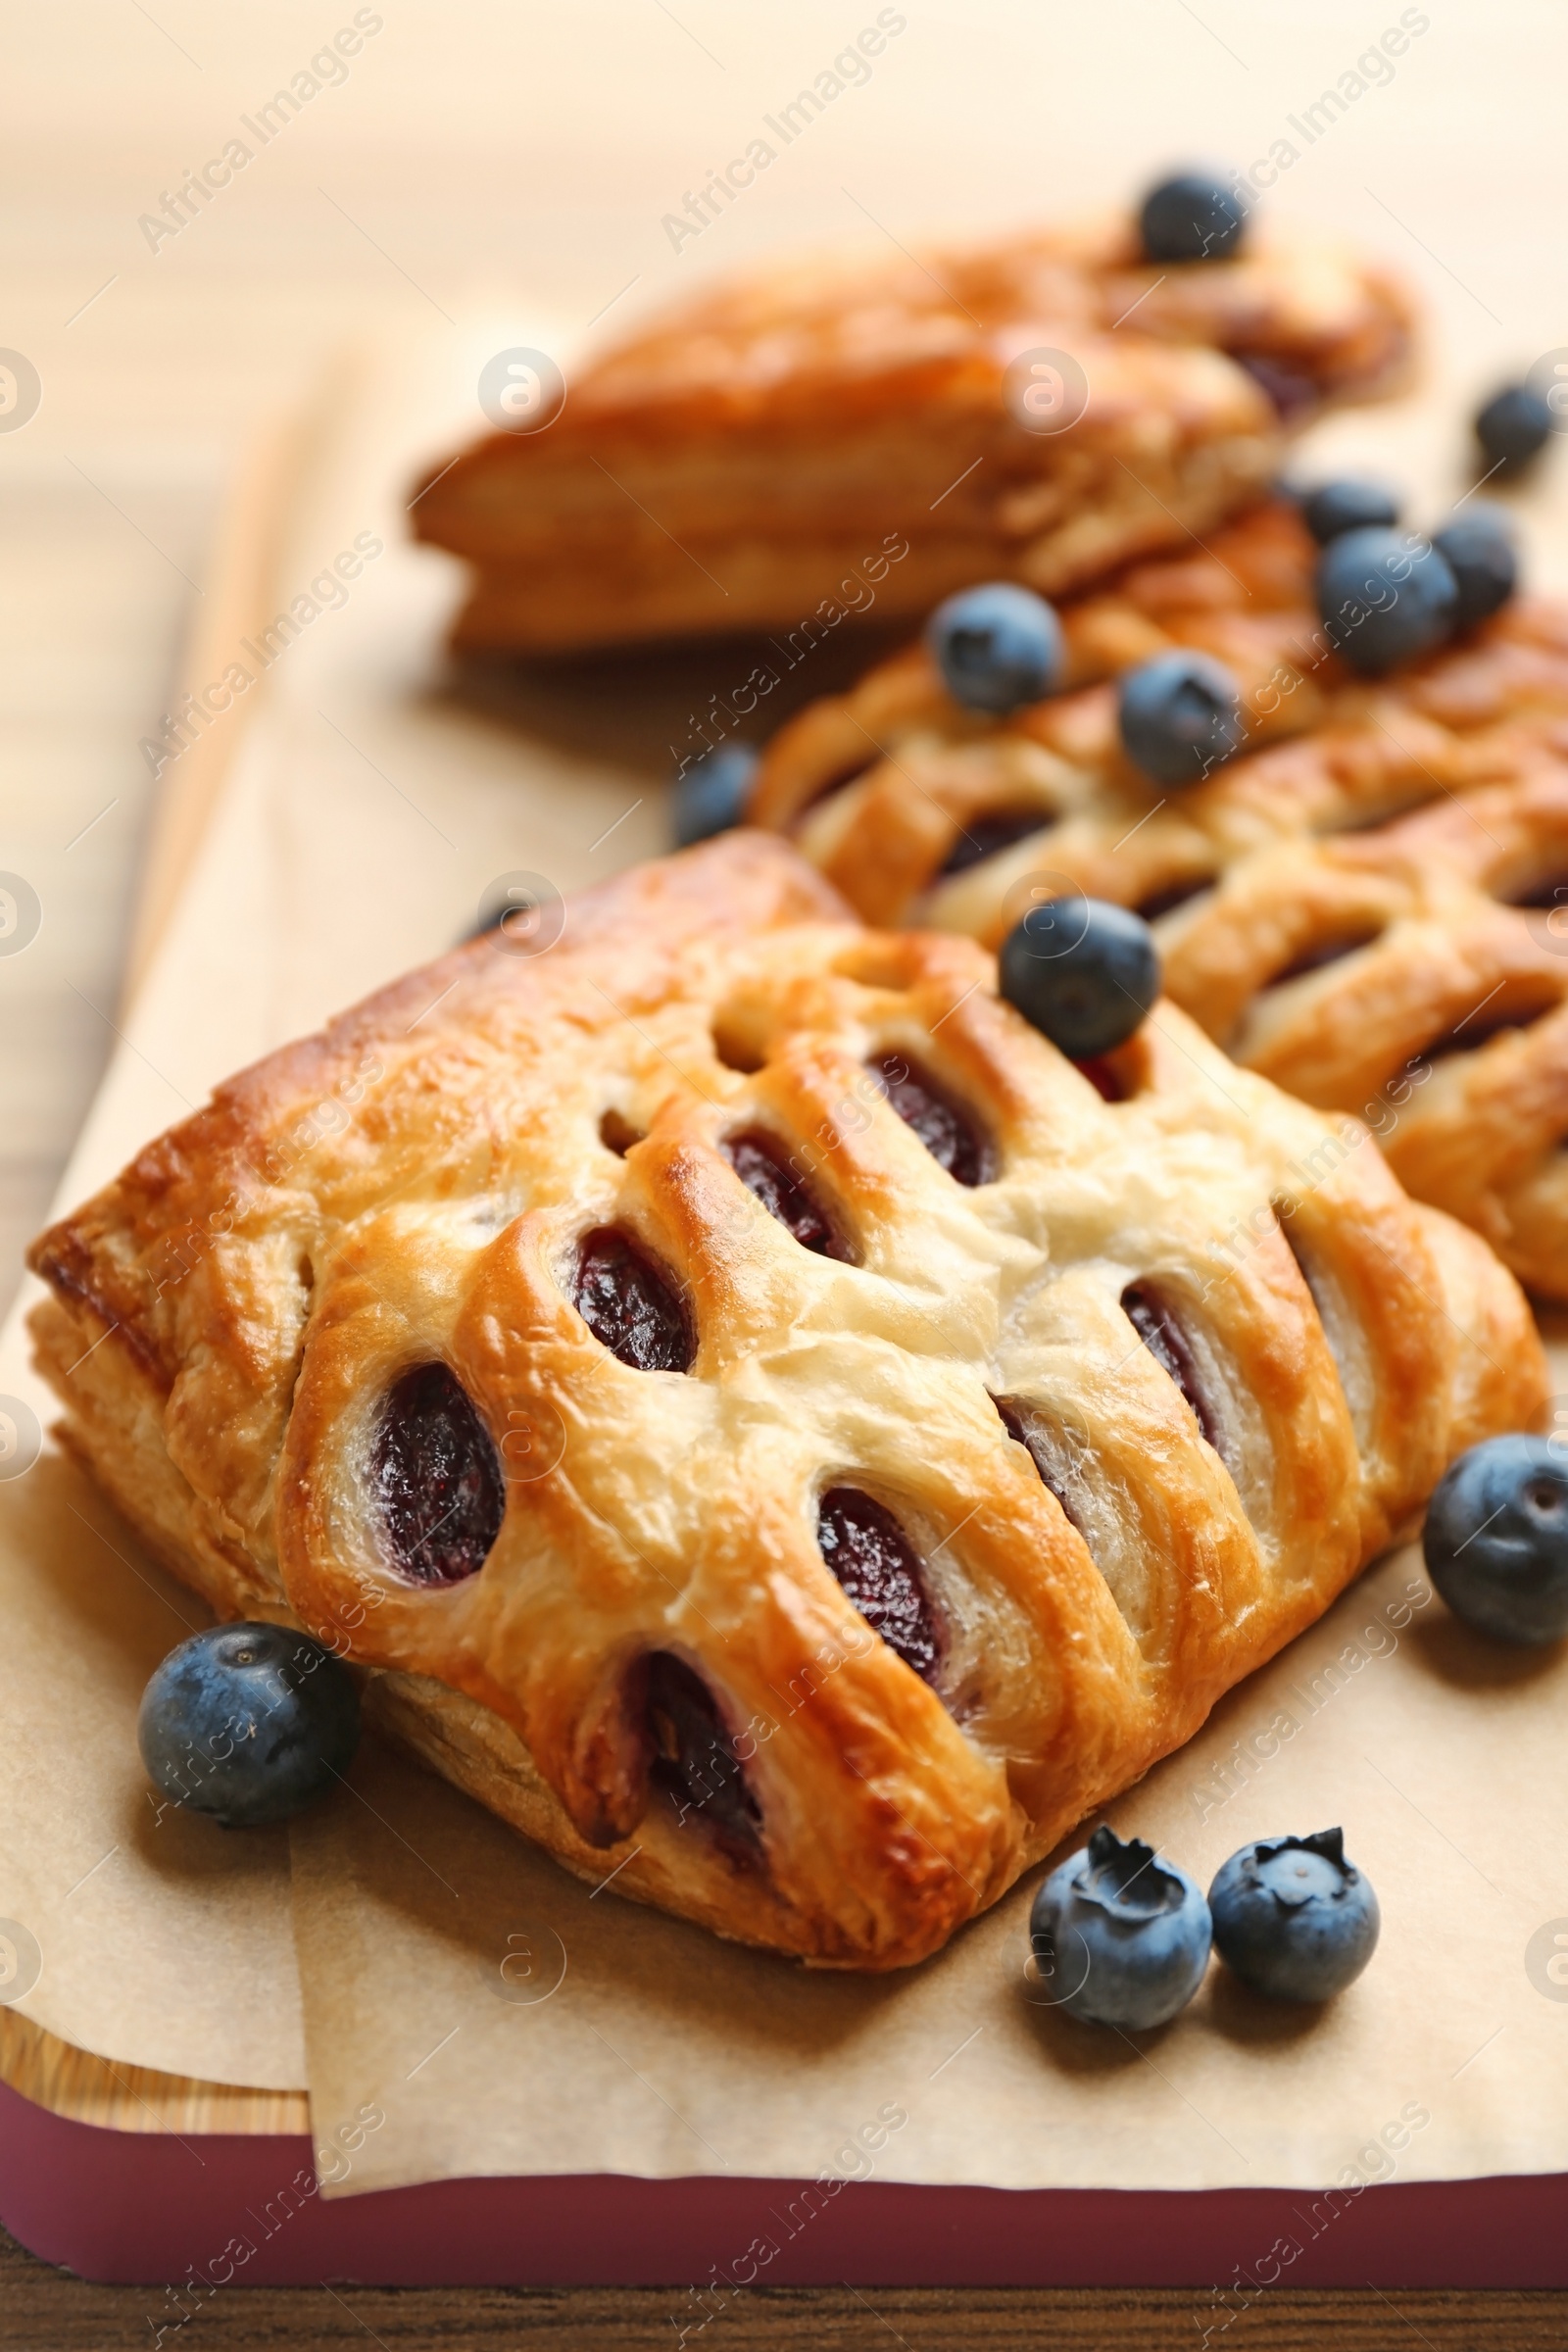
(483, 165)
(47, 2311)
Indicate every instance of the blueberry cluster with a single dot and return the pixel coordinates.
(1123, 1936)
(1387, 595)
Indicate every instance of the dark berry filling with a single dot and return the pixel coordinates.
(1551, 890)
(755, 1161)
(437, 1481)
(870, 1555)
(618, 1133)
(948, 1133)
(628, 1305)
(1022, 1426)
(1292, 393)
(1172, 896)
(1161, 1334)
(1326, 952)
(1105, 1081)
(1480, 1027)
(983, 836)
(694, 1759)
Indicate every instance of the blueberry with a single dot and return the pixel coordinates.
(1119, 1936)
(1385, 597)
(1348, 505)
(1497, 1540)
(248, 1723)
(1191, 218)
(1083, 971)
(1513, 426)
(1293, 1918)
(1180, 714)
(997, 647)
(1478, 548)
(711, 794)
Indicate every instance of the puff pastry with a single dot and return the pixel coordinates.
(773, 446)
(890, 1445)
(1371, 906)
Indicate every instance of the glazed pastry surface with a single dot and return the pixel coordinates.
(1370, 905)
(863, 435)
(780, 1433)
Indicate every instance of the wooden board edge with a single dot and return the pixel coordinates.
(86, 2090)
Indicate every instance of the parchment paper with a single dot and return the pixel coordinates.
(502, 2018)
(466, 2007)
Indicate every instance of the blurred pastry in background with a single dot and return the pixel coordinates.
(1041, 409)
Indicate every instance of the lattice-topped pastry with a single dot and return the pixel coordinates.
(1411, 974)
(789, 1440)
(861, 434)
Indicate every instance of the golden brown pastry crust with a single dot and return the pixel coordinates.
(409, 1188)
(1408, 815)
(746, 457)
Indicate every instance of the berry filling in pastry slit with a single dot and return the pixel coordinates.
(1157, 1326)
(694, 1759)
(948, 1133)
(628, 1305)
(1023, 1427)
(436, 1478)
(984, 836)
(870, 1555)
(759, 1163)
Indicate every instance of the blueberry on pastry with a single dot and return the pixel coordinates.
(1180, 716)
(766, 1424)
(1385, 597)
(1349, 503)
(997, 647)
(826, 438)
(1479, 549)
(1083, 971)
(1367, 903)
(1191, 218)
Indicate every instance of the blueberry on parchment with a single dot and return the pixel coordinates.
(1497, 1540)
(1120, 1937)
(1293, 1918)
(248, 1723)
